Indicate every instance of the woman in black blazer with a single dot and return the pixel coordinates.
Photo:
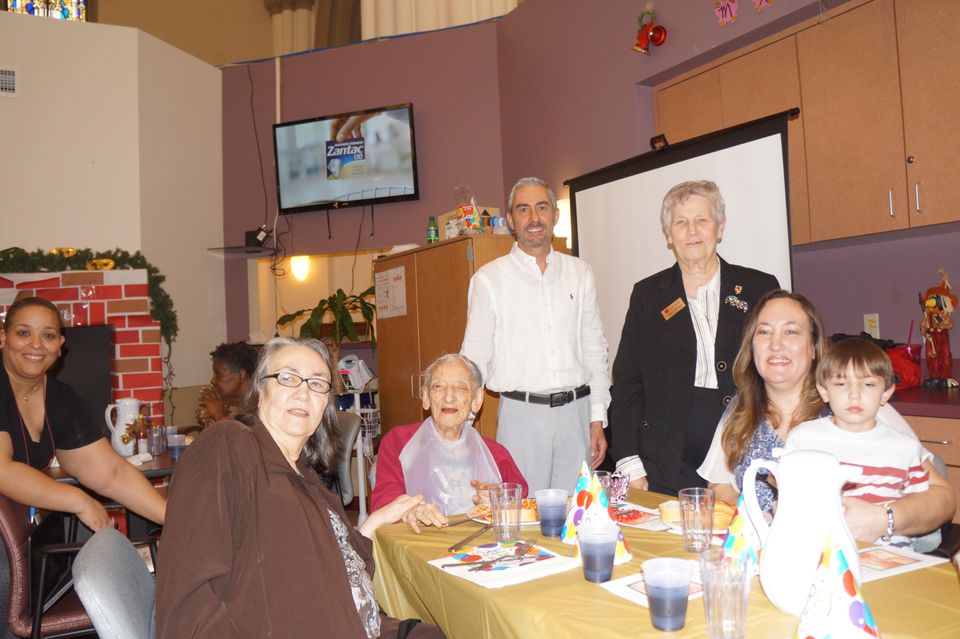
(665, 407)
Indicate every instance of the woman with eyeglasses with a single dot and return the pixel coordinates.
(441, 456)
(255, 545)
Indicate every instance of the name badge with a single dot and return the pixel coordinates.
(675, 307)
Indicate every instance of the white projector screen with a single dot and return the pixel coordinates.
(616, 210)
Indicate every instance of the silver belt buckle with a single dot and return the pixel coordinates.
(560, 398)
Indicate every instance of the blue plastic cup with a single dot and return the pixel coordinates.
(667, 582)
(597, 550)
(552, 506)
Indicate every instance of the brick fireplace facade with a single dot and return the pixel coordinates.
(95, 298)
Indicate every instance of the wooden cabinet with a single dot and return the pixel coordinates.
(941, 437)
(878, 85)
(853, 124)
(761, 83)
(930, 88)
(690, 108)
(436, 279)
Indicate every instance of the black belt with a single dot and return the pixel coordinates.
(552, 400)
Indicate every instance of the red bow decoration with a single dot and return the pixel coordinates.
(649, 33)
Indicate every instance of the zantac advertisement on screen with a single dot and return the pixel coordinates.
(350, 158)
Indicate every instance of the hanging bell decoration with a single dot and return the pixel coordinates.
(648, 32)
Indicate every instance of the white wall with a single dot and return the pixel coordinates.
(115, 142)
(181, 195)
(68, 143)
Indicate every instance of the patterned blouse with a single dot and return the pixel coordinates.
(360, 583)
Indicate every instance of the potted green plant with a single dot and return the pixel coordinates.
(341, 306)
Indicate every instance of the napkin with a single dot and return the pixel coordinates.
(835, 607)
(590, 511)
(742, 540)
(538, 562)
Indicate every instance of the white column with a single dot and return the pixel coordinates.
(386, 16)
(286, 35)
(406, 19)
(368, 19)
(428, 15)
(302, 20)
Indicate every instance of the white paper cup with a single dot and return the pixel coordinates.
(726, 589)
(505, 503)
(696, 516)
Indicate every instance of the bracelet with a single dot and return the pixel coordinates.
(888, 506)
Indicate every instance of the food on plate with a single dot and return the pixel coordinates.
(627, 514)
(670, 512)
(722, 513)
(528, 511)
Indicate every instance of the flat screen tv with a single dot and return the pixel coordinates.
(346, 159)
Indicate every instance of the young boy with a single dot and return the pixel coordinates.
(856, 378)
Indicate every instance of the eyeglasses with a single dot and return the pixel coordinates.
(292, 380)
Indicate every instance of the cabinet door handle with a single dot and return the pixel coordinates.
(412, 391)
(942, 442)
(890, 197)
(916, 191)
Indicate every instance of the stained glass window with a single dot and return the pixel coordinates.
(75, 10)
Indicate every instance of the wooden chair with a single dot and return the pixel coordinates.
(32, 612)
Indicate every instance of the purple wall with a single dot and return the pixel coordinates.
(552, 89)
(451, 79)
(877, 274)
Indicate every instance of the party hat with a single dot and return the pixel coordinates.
(591, 511)
(835, 608)
(742, 541)
(581, 501)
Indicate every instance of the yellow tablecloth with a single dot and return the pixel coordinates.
(924, 603)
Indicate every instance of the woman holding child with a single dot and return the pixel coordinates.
(775, 376)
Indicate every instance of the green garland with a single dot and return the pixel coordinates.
(17, 260)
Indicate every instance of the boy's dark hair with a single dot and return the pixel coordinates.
(867, 359)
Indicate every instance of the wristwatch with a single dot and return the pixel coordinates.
(888, 507)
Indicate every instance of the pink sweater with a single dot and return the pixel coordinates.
(390, 483)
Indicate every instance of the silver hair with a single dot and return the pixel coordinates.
(476, 378)
(682, 191)
(531, 181)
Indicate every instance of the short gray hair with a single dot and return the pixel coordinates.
(476, 378)
(679, 193)
(531, 181)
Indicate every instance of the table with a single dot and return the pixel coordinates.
(924, 603)
(157, 468)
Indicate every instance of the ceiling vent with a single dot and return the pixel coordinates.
(8, 82)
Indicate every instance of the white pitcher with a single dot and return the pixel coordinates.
(127, 413)
(808, 507)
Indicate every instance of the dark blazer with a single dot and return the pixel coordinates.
(656, 362)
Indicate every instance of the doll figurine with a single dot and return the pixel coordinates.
(938, 304)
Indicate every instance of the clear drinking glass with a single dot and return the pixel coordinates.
(696, 515)
(505, 503)
(726, 589)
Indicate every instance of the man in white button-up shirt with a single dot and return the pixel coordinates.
(533, 328)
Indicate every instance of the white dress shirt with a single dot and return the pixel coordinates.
(705, 312)
(538, 332)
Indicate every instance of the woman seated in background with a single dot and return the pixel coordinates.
(775, 376)
(41, 417)
(233, 366)
(441, 456)
(255, 545)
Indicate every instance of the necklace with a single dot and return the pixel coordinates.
(26, 396)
